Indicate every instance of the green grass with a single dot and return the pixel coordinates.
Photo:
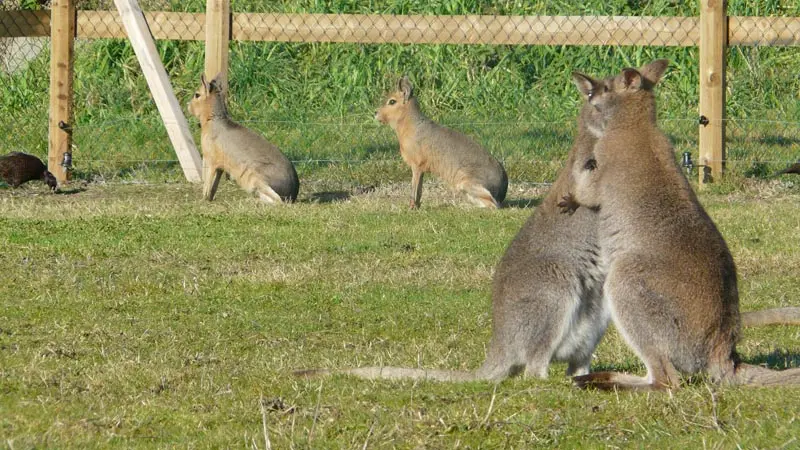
(141, 316)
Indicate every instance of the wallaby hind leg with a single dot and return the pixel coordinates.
(479, 195)
(624, 293)
(211, 182)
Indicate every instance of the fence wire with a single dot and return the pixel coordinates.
(309, 76)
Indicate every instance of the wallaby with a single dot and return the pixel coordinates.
(448, 154)
(546, 296)
(547, 289)
(671, 285)
(257, 165)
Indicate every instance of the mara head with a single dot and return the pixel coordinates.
(602, 95)
(207, 101)
(50, 180)
(396, 103)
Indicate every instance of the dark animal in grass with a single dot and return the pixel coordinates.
(17, 168)
(794, 168)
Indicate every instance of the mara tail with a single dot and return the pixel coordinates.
(774, 316)
(392, 373)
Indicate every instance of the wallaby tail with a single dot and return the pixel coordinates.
(774, 316)
(392, 373)
(750, 375)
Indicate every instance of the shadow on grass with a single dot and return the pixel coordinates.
(328, 197)
(70, 191)
(523, 203)
(777, 359)
(339, 195)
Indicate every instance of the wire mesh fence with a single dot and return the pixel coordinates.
(309, 76)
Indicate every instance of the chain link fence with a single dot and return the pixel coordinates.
(309, 76)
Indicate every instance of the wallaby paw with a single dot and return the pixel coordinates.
(568, 204)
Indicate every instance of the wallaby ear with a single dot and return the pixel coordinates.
(654, 70)
(632, 79)
(584, 83)
(405, 87)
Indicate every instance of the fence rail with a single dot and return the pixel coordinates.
(418, 29)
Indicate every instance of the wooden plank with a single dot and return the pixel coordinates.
(62, 35)
(417, 29)
(24, 24)
(163, 25)
(218, 34)
(158, 81)
(768, 31)
(527, 30)
(414, 29)
(713, 34)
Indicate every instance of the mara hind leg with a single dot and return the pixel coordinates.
(479, 195)
(266, 194)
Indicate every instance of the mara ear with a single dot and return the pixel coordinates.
(653, 71)
(584, 83)
(405, 87)
(203, 82)
(631, 79)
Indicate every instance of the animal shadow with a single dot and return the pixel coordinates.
(329, 197)
(522, 203)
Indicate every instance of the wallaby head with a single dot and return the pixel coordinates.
(605, 95)
(398, 104)
(208, 101)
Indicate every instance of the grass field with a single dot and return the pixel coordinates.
(138, 315)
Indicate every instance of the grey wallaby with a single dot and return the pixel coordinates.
(546, 297)
(671, 284)
(254, 163)
(429, 147)
(547, 289)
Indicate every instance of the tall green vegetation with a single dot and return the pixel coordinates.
(316, 100)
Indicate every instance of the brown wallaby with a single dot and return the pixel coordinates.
(253, 162)
(448, 154)
(671, 285)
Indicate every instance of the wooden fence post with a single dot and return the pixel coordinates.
(713, 44)
(62, 38)
(218, 34)
(157, 79)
